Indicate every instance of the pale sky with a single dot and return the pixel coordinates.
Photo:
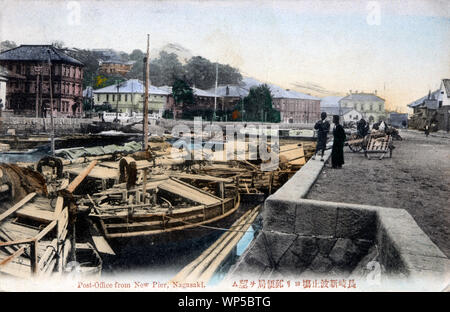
(399, 48)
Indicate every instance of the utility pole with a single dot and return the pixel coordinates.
(215, 92)
(146, 76)
(37, 69)
(51, 104)
(117, 101)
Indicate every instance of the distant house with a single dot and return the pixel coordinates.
(330, 101)
(429, 101)
(347, 114)
(128, 96)
(398, 120)
(369, 104)
(229, 96)
(432, 109)
(5, 76)
(294, 107)
(28, 93)
(115, 67)
(204, 100)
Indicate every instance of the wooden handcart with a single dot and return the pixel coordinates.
(379, 145)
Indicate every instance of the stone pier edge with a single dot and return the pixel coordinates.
(404, 249)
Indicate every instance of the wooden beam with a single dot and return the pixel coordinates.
(14, 208)
(73, 185)
(16, 254)
(34, 256)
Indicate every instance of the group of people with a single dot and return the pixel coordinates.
(337, 151)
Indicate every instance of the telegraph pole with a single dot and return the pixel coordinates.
(117, 102)
(51, 104)
(146, 76)
(215, 92)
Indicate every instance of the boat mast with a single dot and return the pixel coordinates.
(51, 103)
(146, 76)
(215, 92)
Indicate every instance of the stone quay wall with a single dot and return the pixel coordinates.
(382, 247)
(24, 125)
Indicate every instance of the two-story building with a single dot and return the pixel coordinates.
(30, 96)
(369, 104)
(204, 100)
(128, 97)
(294, 107)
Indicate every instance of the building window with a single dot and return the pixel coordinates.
(119, 97)
(126, 97)
(113, 97)
(380, 107)
(98, 97)
(107, 98)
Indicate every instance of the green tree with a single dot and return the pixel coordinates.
(258, 105)
(202, 73)
(166, 69)
(183, 94)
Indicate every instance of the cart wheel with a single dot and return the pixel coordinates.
(355, 147)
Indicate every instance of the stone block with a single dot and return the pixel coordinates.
(321, 264)
(277, 244)
(279, 216)
(325, 245)
(356, 223)
(315, 220)
(299, 256)
(345, 254)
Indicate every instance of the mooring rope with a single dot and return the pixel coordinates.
(217, 228)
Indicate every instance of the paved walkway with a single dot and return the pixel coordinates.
(416, 178)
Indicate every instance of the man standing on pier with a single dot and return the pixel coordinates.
(322, 127)
(337, 152)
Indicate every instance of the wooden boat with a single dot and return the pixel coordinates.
(166, 204)
(33, 237)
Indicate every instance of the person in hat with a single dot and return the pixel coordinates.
(322, 127)
(337, 152)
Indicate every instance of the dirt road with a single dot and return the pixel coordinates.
(416, 178)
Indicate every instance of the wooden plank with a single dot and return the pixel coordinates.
(188, 192)
(16, 254)
(199, 177)
(102, 245)
(62, 222)
(83, 174)
(58, 207)
(31, 212)
(45, 231)
(19, 232)
(17, 206)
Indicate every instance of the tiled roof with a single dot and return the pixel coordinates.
(243, 89)
(362, 97)
(418, 102)
(131, 86)
(330, 101)
(333, 110)
(197, 91)
(37, 53)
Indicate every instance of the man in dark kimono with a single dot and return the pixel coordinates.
(322, 127)
(362, 128)
(337, 152)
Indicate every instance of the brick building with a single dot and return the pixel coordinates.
(30, 96)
